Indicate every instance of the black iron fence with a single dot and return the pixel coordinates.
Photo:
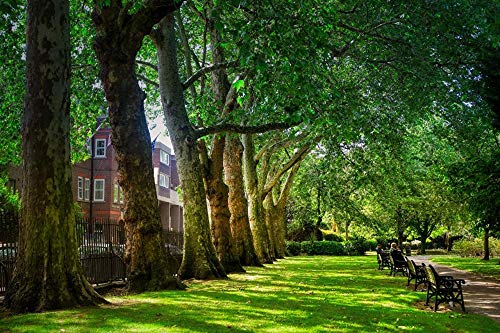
(101, 246)
(9, 233)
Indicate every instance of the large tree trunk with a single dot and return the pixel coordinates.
(217, 195)
(47, 273)
(281, 212)
(199, 260)
(270, 218)
(255, 207)
(486, 242)
(217, 191)
(116, 46)
(424, 227)
(238, 204)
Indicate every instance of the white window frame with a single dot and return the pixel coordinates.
(86, 190)
(97, 148)
(116, 193)
(164, 180)
(96, 190)
(79, 194)
(164, 157)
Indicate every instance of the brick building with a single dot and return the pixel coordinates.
(99, 194)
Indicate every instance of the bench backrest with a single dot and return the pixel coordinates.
(411, 266)
(431, 274)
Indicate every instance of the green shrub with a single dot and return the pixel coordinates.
(9, 200)
(469, 248)
(357, 245)
(328, 248)
(372, 244)
(293, 248)
(475, 247)
(307, 247)
(331, 237)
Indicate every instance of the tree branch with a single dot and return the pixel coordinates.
(146, 80)
(206, 70)
(148, 64)
(225, 127)
(298, 156)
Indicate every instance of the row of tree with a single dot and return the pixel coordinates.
(330, 76)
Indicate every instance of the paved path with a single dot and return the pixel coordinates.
(481, 294)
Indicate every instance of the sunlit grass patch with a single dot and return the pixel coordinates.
(300, 294)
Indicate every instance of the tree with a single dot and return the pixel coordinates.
(238, 203)
(199, 258)
(120, 30)
(47, 242)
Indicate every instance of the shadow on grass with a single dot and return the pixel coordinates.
(301, 294)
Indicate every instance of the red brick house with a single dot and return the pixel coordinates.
(103, 197)
(99, 194)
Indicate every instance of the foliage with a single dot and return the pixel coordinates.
(10, 202)
(475, 247)
(330, 236)
(330, 248)
(356, 245)
(293, 248)
(349, 295)
(371, 244)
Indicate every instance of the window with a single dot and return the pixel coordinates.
(87, 189)
(117, 193)
(99, 190)
(100, 148)
(164, 157)
(164, 180)
(80, 188)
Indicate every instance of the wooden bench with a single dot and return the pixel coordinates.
(444, 289)
(383, 260)
(416, 272)
(398, 266)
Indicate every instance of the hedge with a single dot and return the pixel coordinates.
(329, 248)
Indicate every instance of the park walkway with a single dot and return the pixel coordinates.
(481, 294)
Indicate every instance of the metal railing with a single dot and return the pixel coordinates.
(101, 246)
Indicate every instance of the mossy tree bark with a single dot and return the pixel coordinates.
(199, 260)
(119, 37)
(218, 195)
(237, 202)
(255, 205)
(277, 208)
(217, 190)
(47, 273)
(258, 189)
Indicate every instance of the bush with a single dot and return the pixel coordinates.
(331, 237)
(293, 248)
(315, 248)
(474, 247)
(372, 244)
(9, 200)
(357, 245)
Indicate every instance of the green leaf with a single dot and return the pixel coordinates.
(238, 85)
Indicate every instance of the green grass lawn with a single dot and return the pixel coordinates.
(489, 268)
(299, 294)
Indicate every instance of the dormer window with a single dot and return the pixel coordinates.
(100, 148)
(164, 157)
